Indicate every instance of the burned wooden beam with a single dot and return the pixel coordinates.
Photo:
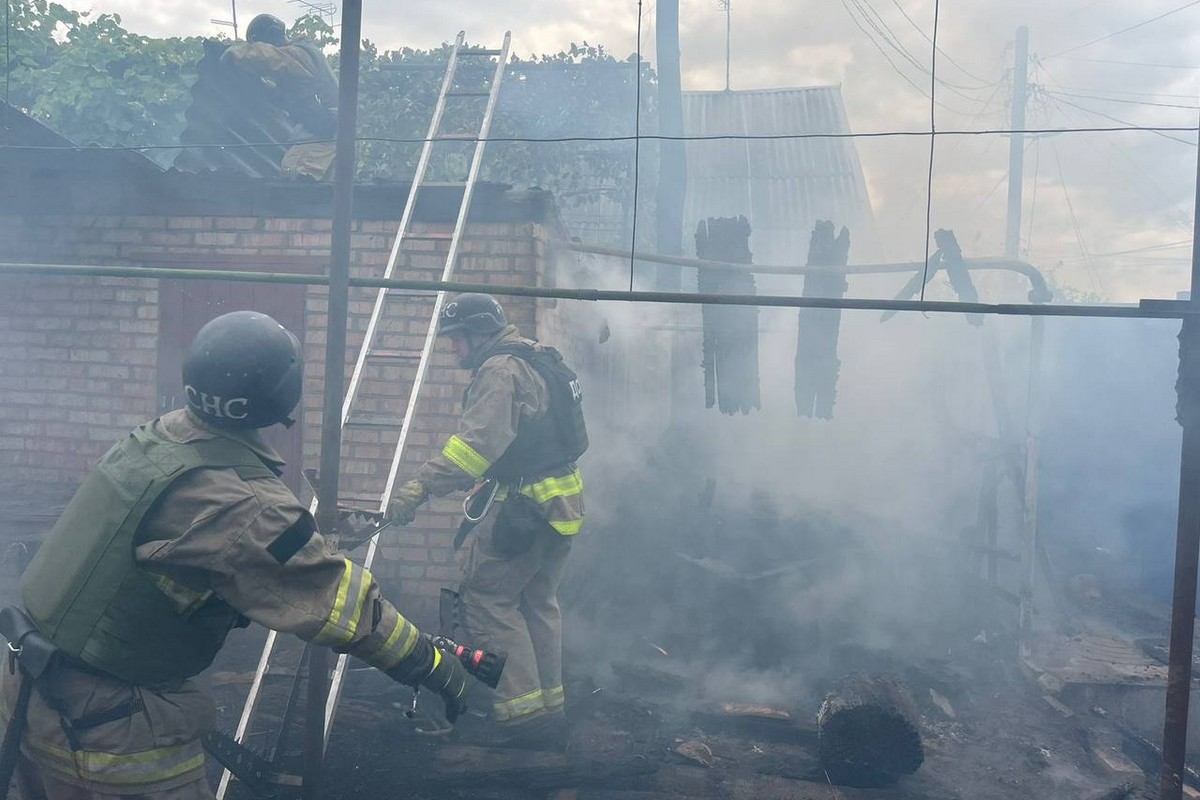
(817, 363)
(869, 732)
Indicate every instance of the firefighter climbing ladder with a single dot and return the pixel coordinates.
(368, 351)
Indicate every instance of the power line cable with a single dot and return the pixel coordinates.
(1111, 118)
(1128, 63)
(932, 145)
(1127, 93)
(1137, 172)
(1037, 164)
(1087, 258)
(1125, 101)
(961, 68)
(1143, 23)
(1120, 128)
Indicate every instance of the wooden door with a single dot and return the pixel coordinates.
(184, 306)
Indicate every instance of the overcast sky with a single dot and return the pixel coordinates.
(1088, 196)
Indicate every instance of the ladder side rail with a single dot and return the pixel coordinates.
(260, 672)
(410, 205)
(339, 672)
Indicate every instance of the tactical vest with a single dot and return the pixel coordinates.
(87, 594)
(555, 438)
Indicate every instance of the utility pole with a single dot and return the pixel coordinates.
(1037, 333)
(1187, 541)
(672, 174)
(1016, 145)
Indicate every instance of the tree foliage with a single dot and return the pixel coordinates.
(89, 79)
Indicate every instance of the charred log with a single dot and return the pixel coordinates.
(868, 731)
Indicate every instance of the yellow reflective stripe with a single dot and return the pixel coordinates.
(567, 527)
(342, 622)
(547, 489)
(398, 645)
(554, 698)
(518, 707)
(148, 766)
(185, 598)
(465, 457)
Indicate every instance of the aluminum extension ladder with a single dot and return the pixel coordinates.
(367, 350)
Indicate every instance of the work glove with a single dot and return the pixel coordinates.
(404, 503)
(431, 668)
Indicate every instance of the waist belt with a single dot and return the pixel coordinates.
(36, 656)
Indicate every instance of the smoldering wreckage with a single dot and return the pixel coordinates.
(719, 643)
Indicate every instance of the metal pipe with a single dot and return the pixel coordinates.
(1187, 540)
(335, 367)
(1147, 310)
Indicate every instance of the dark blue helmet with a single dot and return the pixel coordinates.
(243, 370)
(473, 313)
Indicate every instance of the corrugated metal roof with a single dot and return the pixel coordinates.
(782, 185)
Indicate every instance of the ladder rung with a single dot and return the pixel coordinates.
(478, 51)
(372, 421)
(456, 136)
(468, 94)
(445, 237)
(443, 184)
(395, 355)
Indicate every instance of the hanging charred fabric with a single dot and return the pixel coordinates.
(817, 361)
(730, 333)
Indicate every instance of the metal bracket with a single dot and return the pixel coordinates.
(255, 772)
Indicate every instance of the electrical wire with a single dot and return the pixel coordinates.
(1128, 63)
(1037, 165)
(1096, 113)
(932, 145)
(1122, 127)
(1137, 172)
(1087, 257)
(637, 145)
(1125, 101)
(1164, 15)
(925, 36)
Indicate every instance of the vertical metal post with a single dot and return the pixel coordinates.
(1016, 145)
(672, 177)
(1187, 542)
(335, 366)
(233, 3)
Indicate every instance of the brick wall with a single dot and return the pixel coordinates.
(81, 354)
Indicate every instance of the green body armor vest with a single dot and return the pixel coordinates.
(87, 594)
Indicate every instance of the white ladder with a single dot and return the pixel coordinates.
(368, 350)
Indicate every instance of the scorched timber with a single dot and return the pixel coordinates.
(868, 732)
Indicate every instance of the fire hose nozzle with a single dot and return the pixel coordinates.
(483, 665)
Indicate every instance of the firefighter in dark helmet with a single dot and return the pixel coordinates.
(517, 442)
(181, 532)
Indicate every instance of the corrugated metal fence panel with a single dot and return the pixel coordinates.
(783, 185)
